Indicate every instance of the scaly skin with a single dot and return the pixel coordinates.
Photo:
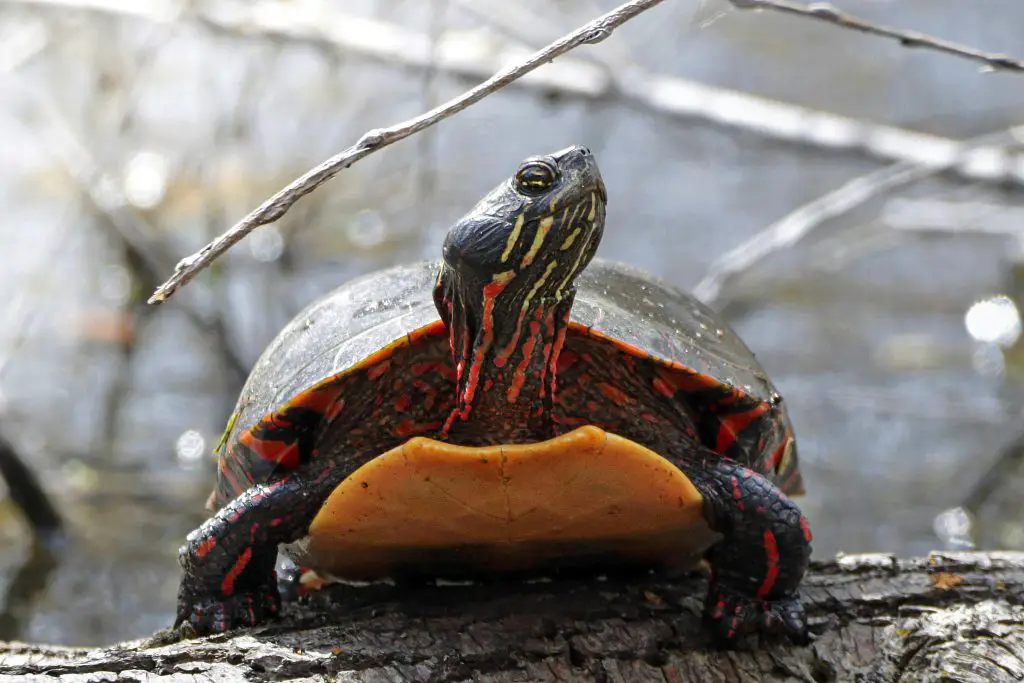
(506, 364)
(763, 555)
(229, 560)
(758, 565)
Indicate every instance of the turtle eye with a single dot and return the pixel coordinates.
(535, 177)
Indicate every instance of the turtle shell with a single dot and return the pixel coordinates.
(287, 399)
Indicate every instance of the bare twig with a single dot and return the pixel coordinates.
(599, 77)
(27, 587)
(371, 141)
(823, 11)
(796, 225)
(603, 76)
(953, 217)
(376, 139)
(671, 96)
(427, 149)
(1009, 461)
(138, 236)
(25, 490)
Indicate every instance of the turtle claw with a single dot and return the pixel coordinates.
(201, 617)
(731, 615)
(787, 617)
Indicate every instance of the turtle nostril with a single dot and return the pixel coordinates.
(585, 151)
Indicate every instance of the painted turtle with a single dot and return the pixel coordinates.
(505, 410)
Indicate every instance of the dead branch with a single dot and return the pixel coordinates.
(374, 140)
(672, 96)
(949, 617)
(26, 587)
(677, 97)
(28, 494)
(101, 189)
(798, 224)
(823, 11)
(471, 55)
(953, 217)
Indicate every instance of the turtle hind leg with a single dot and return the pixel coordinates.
(228, 562)
(757, 567)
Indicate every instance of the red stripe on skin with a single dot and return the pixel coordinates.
(546, 365)
(771, 550)
(206, 546)
(519, 379)
(227, 587)
(504, 354)
(490, 293)
(806, 528)
(556, 352)
(732, 425)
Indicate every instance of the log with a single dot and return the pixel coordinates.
(951, 617)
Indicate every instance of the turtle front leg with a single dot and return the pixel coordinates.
(757, 567)
(229, 578)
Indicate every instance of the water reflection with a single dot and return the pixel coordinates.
(190, 448)
(145, 179)
(266, 244)
(955, 528)
(995, 320)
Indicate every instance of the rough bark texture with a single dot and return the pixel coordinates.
(951, 617)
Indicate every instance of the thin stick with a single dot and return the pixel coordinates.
(796, 225)
(823, 11)
(602, 76)
(275, 207)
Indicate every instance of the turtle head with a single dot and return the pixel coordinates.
(525, 242)
(511, 263)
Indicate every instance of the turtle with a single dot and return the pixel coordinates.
(517, 406)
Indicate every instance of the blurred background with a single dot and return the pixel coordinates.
(853, 208)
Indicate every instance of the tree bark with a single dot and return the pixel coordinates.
(951, 617)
